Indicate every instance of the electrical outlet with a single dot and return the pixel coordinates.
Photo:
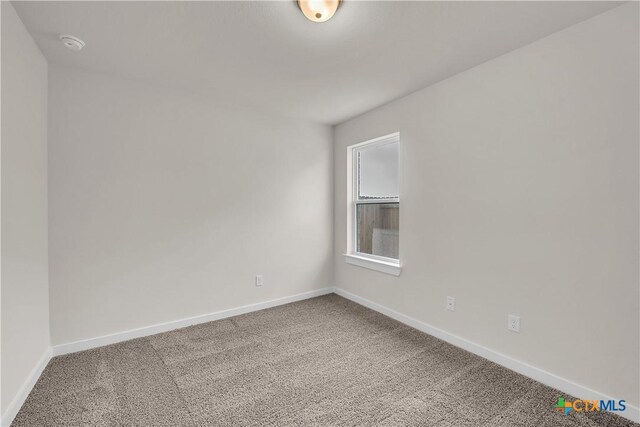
(513, 323)
(259, 280)
(451, 304)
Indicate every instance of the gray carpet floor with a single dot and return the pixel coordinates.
(320, 362)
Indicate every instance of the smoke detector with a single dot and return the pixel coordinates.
(72, 42)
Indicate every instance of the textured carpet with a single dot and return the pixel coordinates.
(320, 362)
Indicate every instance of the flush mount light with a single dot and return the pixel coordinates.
(318, 10)
(72, 42)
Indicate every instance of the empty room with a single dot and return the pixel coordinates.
(320, 213)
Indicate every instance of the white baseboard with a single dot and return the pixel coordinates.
(632, 412)
(25, 389)
(90, 343)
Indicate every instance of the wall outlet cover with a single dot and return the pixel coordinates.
(513, 323)
(451, 304)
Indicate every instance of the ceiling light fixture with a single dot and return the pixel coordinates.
(72, 42)
(318, 10)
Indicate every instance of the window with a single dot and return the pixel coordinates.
(375, 204)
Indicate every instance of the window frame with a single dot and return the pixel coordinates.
(371, 261)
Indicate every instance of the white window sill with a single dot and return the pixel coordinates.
(387, 267)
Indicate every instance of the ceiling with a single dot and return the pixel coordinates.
(269, 55)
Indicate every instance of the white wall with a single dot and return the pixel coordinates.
(164, 205)
(519, 194)
(25, 294)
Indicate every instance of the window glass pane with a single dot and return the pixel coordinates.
(378, 171)
(377, 232)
